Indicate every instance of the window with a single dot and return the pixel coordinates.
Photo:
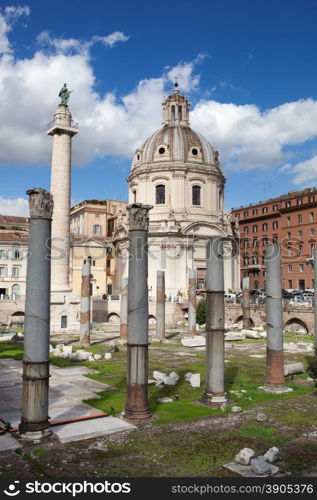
(63, 321)
(311, 198)
(3, 254)
(92, 262)
(246, 243)
(275, 208)
(245, 214)
(301, 268)
(255, 242)
(300, 233)
(2, 271)
(288, 221)
(290, 284)
(264, 226)
(97, 216)
(246, 260)
(237, 216)
(275, 224)
(288, 204)
(195, 151)
(300, 249)
(201, 282)
(173, 112)
(255, 258)
(275, 238)
(289, 268)
(312, 249)
(289, 251)
(15, 272)
(299, 201)
(311, 217)
(312, 231)
(96, 229)
(160, 194)
(289, 235)
(255, 228)
(264, 273)
(246, 230)
(255, 211)
(16, 254)
(113, 209)
(180, 112)
(265, 241)
(299, 219)
(196, 195)
(264, 210)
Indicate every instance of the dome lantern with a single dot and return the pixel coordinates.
(176, 109)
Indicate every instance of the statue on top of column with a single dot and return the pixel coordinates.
(64, 94)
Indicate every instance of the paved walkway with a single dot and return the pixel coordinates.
(68, 386)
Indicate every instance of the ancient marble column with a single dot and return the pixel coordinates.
(275, 381)
(192, 302)
(85, 305)
(124, 310)
(246, 321)
(137, 405)
(62, 132)
(214, 394)
(160, 305)
(34, 419)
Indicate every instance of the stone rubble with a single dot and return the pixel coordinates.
(244, 456)
(260, 466)
(272, 455)
(236, 409)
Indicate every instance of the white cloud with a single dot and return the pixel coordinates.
(112, 39)
(246, 136)
(18, 207)
(305, 172)
(249, 138)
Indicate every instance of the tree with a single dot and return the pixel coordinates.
(201, 312)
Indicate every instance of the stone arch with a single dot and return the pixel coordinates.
(151, 318)
(240, 318)
(113, 318)
(17, 318)
(296, 325)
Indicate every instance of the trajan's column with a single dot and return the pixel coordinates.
(64, 303)
(62, 132)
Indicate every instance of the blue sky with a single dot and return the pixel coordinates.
(248, 68)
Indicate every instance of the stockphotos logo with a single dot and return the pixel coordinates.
(12, 489)
(73, 488)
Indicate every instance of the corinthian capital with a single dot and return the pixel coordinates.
(40, 203)
(139, 216)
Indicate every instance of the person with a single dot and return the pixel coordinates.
(64, 94)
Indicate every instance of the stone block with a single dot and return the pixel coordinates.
(293, 369)
(171, 379)
(194, 380)
(108, 355)
(196, 341)
(260, 466)
(271, 455)
(97, 356)
(244, 456)
(236, 409)
(159, 376)
(67, 349)
(251, 334)
(164, 400)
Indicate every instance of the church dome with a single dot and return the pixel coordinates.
(176, 141)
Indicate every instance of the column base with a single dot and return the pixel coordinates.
(213, 400)
(34, 437)
(137, 415)
(276, 389)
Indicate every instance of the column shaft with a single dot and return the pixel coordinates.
(137, 405)
(160, 304)
(246, 321)
(215, 320)
(85, 306)
(192, 302)
(124, 310)
(36, 358)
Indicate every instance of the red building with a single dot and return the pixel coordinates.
(290, 220)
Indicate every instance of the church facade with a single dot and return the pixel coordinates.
(178, 172)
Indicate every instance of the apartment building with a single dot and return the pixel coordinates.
(291, 220)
